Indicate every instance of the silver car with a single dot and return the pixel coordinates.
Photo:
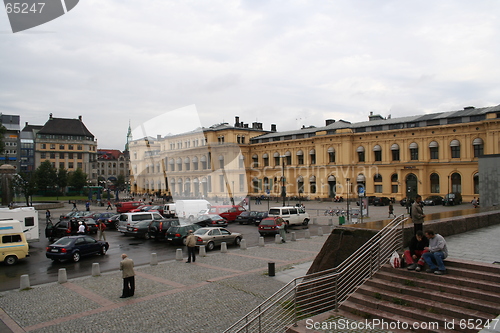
(212, 237)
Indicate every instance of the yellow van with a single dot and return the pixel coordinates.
(13, 245)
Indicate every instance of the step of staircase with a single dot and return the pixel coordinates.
(471, 291)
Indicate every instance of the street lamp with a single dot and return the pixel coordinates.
(348, 187)
(283, 186)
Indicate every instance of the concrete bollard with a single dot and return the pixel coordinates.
(277, 239)
(315, 220)
(243, 244)
(96, 271)
(154, 259)
(223, 247)
(307, 234)
(271, 269)
(178, 255)
(203, 251)
(330, 221)
(25, 282)
(294, 237)
(261, 241)
(62, 277)
(320, 231)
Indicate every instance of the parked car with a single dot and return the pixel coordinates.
(124, 207)
(148, 208)
(260, 216)
(158, 228)
(371, 198)
(178, 234)
(75, 247)
(291, 215)
(112, 222)
(127, 219)
(247, 217)
(211, 220)
(69, 228)
(100, 216)
(452, 199)
(404, 201)
(269, 226)
(229, 212)
(139, 229)
(212, 237)
(433, 200)
(381, 201)
(76, 214)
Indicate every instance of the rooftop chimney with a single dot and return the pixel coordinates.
(80, 118)
(273, 127)
(236, 121)
(469, 108)
(50, 116)
(329, 121)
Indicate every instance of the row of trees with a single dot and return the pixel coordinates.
(47, 179)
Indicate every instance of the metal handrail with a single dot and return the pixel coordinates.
(323, 291)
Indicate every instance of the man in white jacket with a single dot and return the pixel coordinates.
(437, 253)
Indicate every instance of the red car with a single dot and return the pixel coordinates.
(229, 212)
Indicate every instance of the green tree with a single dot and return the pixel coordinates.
(78, 179)
(62, 179)
(25, 183)
(120, 182)
(45, 176)
(3, 130)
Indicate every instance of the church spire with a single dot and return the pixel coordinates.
(129, 136)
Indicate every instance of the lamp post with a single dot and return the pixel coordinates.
(348, 187)
(283, 186)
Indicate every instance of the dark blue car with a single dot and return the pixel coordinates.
(75, 247)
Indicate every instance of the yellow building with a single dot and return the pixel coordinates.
(430, 154)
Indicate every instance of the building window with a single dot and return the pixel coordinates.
(70, 147)
(456, 183)
(61, 147)
(203, 162)
(395, 152)
(300, 157)
(79, 156)
(478, 147)
(52, 146)
(265, 157)
(61, 155)
(331, 155)
(241, 162)
(455, 149)
(276, 159)
(79, 147)
(377, 180)
(377, 152)
(414, 154)
(43, 146)
(476, 183)
(255, 161)
(70, 165)
(312, 155)
(361, 153)
(221, 162)
(378, 188)
(43, 155)
(434, 178)
(312, 184)
(187, 163)
(61, 165)
(79, 165)
(288, 158)
(179, 164)
(52, 155)
(434, 153)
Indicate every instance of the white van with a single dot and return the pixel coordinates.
(169, 210)
(13, 245)
(190, 209)
(128, 219)
(28, 217)
(291, 215)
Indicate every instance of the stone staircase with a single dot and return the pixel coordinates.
(469, 295)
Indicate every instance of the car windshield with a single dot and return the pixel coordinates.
(63, 241)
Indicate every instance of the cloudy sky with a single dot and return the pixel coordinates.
(291, 63)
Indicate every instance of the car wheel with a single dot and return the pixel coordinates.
(210, 246)
(10, 260)
(237, 241)
(76, 257)
(103, 250)
(305, 223)
(147, 235)
(117, 224)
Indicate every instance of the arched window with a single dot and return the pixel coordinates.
(455, 149)
(195, 163)
(265, 157)
(476, 183)
(276, 159)
(187, 163)
(300, 157)
(312, 156)
(179, 164)
(300, 184)
(255, 160)
(312, 184)
(331, 155)
(377, 182)
(394, 183)
(395, 152)
(414, 151)
(241, 162)
(456, 183)
(377, 152)
(288, 158)
(434, 178)
(221, 162)
(203, 160)
(478, 147)
(434, 150)
(361, 153)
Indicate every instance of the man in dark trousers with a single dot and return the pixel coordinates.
(413, 256)
(128, 274)
(417, 214)
(191, 246)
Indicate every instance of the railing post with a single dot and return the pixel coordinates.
(295, 305)
(336, 292)
(402, 236)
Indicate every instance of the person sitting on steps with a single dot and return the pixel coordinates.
(413, 256)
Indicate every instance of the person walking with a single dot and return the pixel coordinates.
(391, 210)
(191, 246)
(128, 275)
(47, 216)
(100, 230)
(437, 252)
(417, 214)
(74, 207)
(282, 230)
(109, 206)
(87, 206)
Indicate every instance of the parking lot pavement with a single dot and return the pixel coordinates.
(207, 296)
